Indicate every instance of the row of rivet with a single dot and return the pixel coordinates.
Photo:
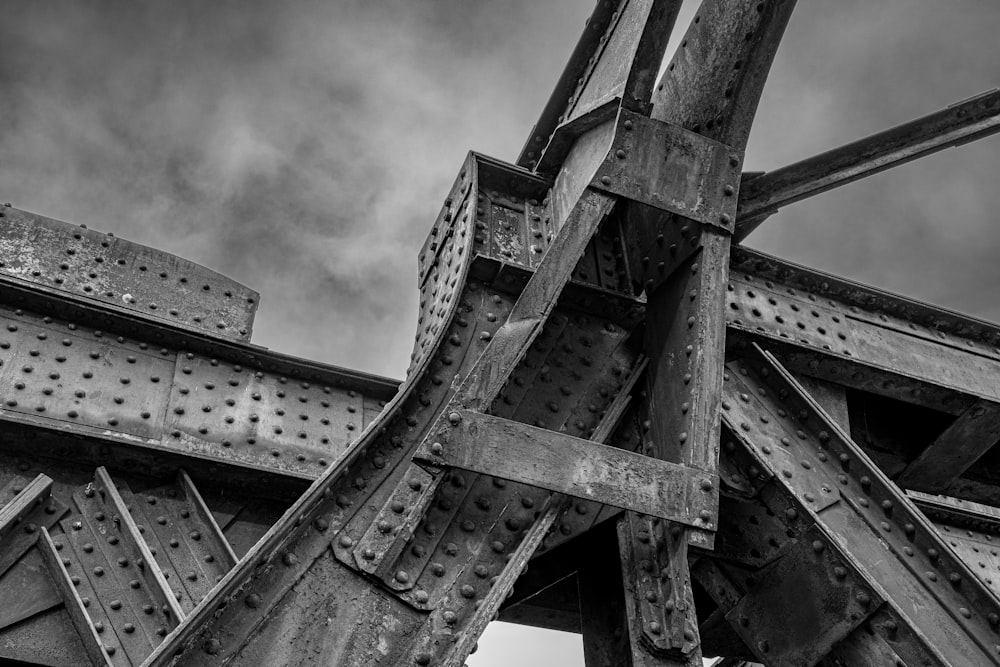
(918, 548)
(327, 513)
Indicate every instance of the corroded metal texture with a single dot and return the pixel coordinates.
(875, 530)
(562, 410)
(57, 256)
(79, 379)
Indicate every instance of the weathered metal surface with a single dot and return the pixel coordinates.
(979, 550)
(823, 331)
(113, 564)
(803, 605)
(485, 378)
(183, 537)
(529, 455)
(82, 380)
(27, 590)
(533, 289)
(681, 171)
(628, 61)
(149, 283)
(724, 56)
(95, 649)
(960, 123)
(878, 532)
(269, 575)
(870, 304)
(23, 581)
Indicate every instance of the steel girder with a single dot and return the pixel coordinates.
(589, 296)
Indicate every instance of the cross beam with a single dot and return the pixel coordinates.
(577, 314)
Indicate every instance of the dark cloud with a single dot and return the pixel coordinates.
(303, 147)
(850, 68)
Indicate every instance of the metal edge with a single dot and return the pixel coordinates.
(123, 322)
(872, 299)
(575, 67)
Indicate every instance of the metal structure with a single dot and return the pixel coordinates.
(617, 420)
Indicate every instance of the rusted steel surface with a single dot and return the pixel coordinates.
(685, 335)
(485, 378)
(171, 522)
(57, 256)
(575, 320)
(907, 350)
(74, 378)
(683, 173)
(958, 124)
(808, 571)
(879, 538)
(608, 475)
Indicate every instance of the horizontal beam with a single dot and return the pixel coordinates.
(958, 124)
(858, 336)
(114, 320)
(898, 347)
(119, 379)
(148, 283)
(576, 467)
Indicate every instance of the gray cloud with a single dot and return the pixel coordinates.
(303, 147)
(850, 68)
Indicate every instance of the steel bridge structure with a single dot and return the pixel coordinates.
(617, 421)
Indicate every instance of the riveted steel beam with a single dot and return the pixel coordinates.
(854, 335)
(148, 283)
(617, 58)
(947, 612)
(31, 508)
(89, 637)
(711, 87)
(577, 214)
(669, 168)
(970, 529)
(911, 351)
(69, 378)
(958, 124)
(24, 503)
(576, 467)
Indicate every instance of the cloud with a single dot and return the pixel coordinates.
(848, 69)
(302, 148)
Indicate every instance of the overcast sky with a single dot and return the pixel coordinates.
(304, 147)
